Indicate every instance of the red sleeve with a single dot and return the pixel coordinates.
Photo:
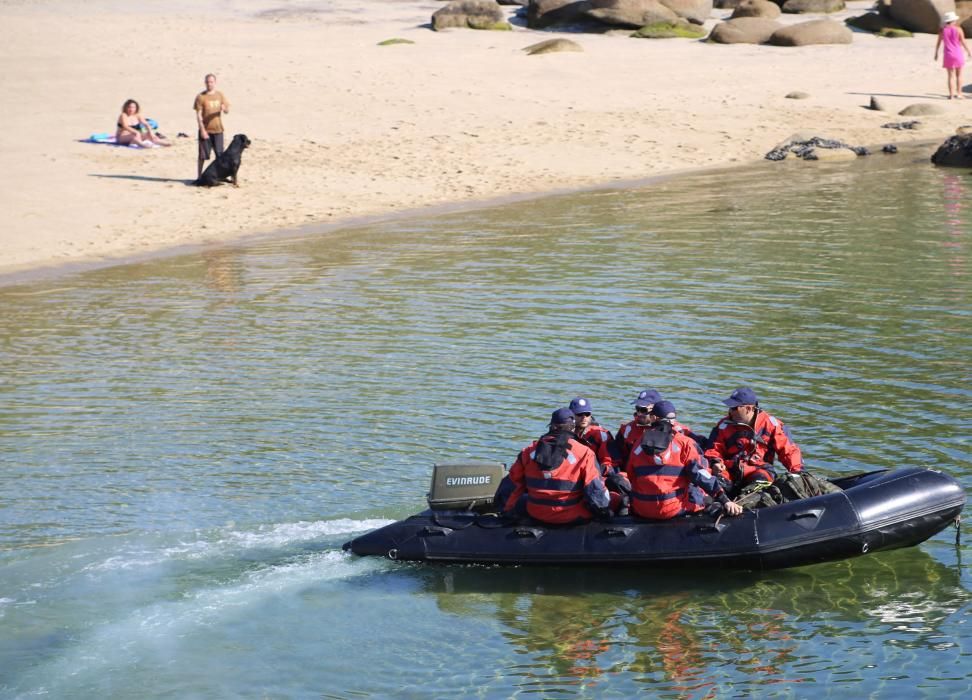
(604, 451)
(787, 450)
(517, 477)
(718, 448)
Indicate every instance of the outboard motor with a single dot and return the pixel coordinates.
(464, 486)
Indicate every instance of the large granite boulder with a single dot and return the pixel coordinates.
(756, 8)
(744, 30)
(474, 14)
(956, 152)
(920, 15)
(802, 7)
(816, 31)
(695, 11)
(631, 13)
(872, 22)
(546, 13)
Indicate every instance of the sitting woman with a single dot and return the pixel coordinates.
(134, 130)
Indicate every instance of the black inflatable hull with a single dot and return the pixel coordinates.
(875, 511)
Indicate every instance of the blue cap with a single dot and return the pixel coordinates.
(648, 397)
(743, 396)
(581, 405)
(561, 416)
(663, 409)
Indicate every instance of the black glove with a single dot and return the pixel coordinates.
(618, 483)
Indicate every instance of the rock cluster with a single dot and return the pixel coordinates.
(814, 148)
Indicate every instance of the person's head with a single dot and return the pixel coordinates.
(949, 18)
(210, 81)
(663, 410)
(562, 419)
(130, 107)
(742, 404)
(581, 409)
(646, 399)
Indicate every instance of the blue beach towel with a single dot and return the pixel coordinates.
(109, 139)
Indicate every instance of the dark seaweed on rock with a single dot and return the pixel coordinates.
(805, 149)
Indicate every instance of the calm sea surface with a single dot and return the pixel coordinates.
(185, 444)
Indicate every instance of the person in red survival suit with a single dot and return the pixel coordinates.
(668, 474)
(589, 432)
(629, 434)
(744, 444)
(555, 479)
(600, 440)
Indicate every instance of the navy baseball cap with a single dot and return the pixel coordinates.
(663, 409)
(647, 398)
(581, 405)
(743, 396)
(561, 416)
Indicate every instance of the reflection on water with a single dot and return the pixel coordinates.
(181, 440)
(691, 638)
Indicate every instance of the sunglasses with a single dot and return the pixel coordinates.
(643, 410)
(583, 415)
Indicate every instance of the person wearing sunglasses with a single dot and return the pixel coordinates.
(744, 445)
(668, 474)
(592, 434)
(629, 434)
(589, 432)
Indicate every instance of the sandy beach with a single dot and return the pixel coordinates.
(343, 128)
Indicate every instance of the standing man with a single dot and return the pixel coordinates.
(744, 445)
(210, 105)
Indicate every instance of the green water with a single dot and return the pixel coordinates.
(185, 444)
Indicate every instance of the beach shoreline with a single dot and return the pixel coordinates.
(346, 132)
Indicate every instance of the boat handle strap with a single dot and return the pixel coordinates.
(429, 530)
(533, 532)
(617, 531)
(805, 514)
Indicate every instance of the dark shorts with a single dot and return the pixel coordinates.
(206, 146)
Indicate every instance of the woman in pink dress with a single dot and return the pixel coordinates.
(953, 39)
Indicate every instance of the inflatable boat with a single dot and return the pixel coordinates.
(872, 512)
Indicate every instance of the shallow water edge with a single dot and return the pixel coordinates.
(53, 270)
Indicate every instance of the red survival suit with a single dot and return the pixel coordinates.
(668, 475)
(749, 451)
(561, 481)
(629, 435)
(599, 439)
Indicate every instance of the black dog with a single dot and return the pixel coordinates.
(226, 166)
